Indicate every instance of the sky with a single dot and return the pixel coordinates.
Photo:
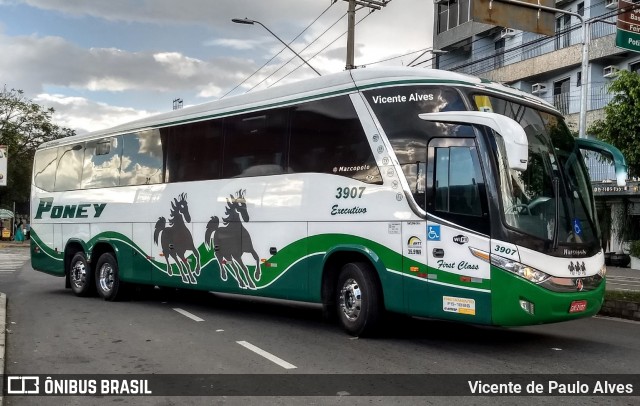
(100, 63)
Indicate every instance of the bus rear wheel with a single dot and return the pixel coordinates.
(358, 299)
(80, 277)
(108, 282)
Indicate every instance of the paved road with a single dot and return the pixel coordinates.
(53, 332)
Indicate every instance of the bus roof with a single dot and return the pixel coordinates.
(324, 86)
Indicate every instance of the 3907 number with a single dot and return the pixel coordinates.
(349, 192)
(504, 250)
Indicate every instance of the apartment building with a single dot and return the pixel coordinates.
(549, 67)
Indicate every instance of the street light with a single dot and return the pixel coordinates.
(251, 22)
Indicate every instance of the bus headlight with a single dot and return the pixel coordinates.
(522, 270)
(603, 271)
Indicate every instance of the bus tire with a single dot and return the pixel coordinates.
(80, 275)
(108, 283)
(358, 299)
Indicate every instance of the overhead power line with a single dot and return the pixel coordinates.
(274, 56)
(320, 51)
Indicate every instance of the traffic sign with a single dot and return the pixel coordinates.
(510, 15)
(628, 26)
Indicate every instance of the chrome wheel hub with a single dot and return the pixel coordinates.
(79, 274)
(105, 278)
(350, 300)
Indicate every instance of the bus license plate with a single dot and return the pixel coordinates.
(578, 306)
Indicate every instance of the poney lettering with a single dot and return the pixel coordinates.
(69, 210)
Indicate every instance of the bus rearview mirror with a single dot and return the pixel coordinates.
(513, 135)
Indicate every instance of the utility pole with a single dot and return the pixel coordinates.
(351, 21)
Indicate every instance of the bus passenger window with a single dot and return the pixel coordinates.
(69, 171)
(327, 137)
(194, 151)
(142, 155)
(254, 144)
(102, 163)
(44, 168)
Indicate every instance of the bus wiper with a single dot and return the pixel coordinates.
(556, 194)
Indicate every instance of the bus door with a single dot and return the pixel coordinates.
(457, 234)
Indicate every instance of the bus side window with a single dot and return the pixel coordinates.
(456, 178)
(194, 151)
(44, 168)
(69, 170)
(102, 163)
(142, 158)
(255, 144)
(456, 189)
(327, 137)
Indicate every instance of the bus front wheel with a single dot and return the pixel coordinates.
(358, 300)
(80, 277)
(108, 282)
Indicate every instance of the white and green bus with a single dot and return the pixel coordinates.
(405, 190)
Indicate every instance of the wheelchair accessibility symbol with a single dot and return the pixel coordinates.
(577, 228)
(433, 233)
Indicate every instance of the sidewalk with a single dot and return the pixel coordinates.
(25, 244)
(617, 271)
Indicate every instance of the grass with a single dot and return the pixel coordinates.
(622, 295)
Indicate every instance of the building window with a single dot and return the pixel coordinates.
(443, 17)
(464, 11)
(563, 38)
(452, 13)
(579, 79)
(561, 95)
(581, 9)
(635, 67)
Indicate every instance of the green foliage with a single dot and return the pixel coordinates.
(634, 248)
(621, 126)
(24, 125)
(625, 295)
(626, 226)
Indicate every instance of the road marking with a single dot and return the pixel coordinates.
(189, 315)
(284, 364)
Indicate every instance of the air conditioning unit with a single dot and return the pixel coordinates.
(610, 71)
(538, 88)
(507, 33)
(611, 4)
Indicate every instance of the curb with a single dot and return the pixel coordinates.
(3, 329)
(623, 309)
(4, 244)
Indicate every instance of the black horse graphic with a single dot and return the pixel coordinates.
(177, 240)
(232, 241)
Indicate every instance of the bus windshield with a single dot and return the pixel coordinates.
(551, 201)
(555, 187)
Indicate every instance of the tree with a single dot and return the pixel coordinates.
(621, 125)
(24, 125)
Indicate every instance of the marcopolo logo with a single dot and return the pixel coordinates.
(77, 211)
